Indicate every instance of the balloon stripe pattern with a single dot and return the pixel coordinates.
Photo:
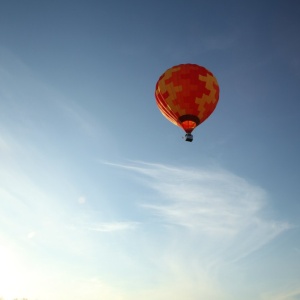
(187, 95)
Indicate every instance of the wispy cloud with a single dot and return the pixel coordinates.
(215, 204)
(291, 293)
(113, 226)
(80, 117)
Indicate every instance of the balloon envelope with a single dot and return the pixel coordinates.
(187, 95)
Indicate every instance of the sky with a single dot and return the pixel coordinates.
(101, 198)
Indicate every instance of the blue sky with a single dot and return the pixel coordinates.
(101, 198)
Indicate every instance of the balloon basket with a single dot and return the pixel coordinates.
(188, 137)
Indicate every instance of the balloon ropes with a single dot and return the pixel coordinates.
(187, 95)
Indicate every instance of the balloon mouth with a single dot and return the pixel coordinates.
(188, 122)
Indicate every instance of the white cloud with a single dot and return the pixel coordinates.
(289, 294)
(113, 226)
(80, 117)
(207, 221)
(214, 204)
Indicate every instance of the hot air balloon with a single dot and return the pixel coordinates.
(186, 95)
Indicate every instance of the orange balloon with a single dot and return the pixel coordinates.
(187, 95)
